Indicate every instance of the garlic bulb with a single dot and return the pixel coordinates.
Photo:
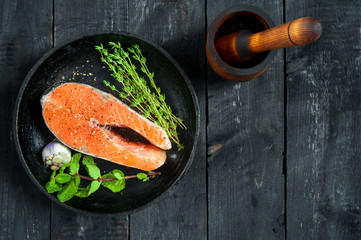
(56, 155)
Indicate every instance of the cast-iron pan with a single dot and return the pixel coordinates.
(78, 61)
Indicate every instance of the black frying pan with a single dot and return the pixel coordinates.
(78, 61)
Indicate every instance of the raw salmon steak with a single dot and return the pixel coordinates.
(81, 117)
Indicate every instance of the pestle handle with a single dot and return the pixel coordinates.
(238, 47)
(294, 33)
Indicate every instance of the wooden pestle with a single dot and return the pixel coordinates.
(242, 46)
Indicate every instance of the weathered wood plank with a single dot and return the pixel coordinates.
(177, 26)
(323, 116)
(245, 145)
(24, 37)
(67, 224)
(75, 19)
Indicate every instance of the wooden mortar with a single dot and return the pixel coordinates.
(242, 41)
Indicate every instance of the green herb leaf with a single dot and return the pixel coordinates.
(91, 168)
(53, 175)
(62, 169)
(69, 190)
(62, 178)
(74, 166)
(85, 192)
(142, 176)
(115, 185)
(106, 83)
(82, 193)
(118, 174)
(123, 95)
(52, 186)
(93, 187)
(180, 147)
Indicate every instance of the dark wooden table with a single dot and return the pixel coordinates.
(279, 157)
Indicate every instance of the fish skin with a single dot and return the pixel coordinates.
(77, 113)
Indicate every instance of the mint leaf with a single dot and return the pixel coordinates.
(93, 187)
(74, 164)
(53, 175)
(118, 174)
(115, 185)
(62, 169)
(52, 186)
(84, 192)
(142, 176)
(90, 167)
(62, 178)
(69, 190)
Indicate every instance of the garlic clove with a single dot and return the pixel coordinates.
(55, 154)
(54, 168)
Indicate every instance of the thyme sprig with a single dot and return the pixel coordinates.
(150, 102)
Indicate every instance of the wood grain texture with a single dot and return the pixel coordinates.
(177, 26)
(300, 31)
(72, 20)
(323, 156)
(323, 133)
(245, 125)
(24, 37)
(67, 224)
